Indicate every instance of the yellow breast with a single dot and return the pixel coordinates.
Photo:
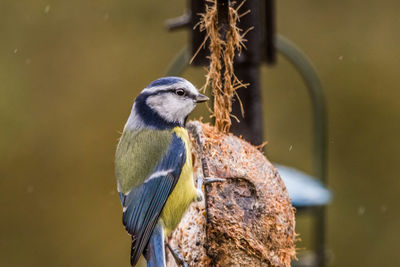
(184, 192)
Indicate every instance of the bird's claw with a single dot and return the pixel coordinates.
(210, 180)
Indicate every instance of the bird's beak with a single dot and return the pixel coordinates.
(201, 98)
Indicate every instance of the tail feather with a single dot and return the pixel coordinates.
(155, 250)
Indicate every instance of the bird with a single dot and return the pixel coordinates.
(153, 166)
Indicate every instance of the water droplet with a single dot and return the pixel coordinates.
(290, 148)
(15, 50)
(361, 210)
(30, 189)
(46, 9)
(340, 57)
(383, 208)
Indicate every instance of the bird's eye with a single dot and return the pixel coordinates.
(180, 92)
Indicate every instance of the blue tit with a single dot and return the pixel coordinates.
(153, 166)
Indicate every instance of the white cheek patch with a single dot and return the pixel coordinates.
(171, 107)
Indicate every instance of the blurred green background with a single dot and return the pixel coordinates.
(69, 71)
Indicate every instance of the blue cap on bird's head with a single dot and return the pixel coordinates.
(165, 103)
(166, 81)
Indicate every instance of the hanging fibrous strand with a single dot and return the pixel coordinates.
(225, 40)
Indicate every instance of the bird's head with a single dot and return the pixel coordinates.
(165, 103)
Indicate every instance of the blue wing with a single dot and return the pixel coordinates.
(143, 204)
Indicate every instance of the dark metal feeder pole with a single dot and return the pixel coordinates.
(247, 69)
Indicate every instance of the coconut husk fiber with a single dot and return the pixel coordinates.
(249, 219)
(225, 40)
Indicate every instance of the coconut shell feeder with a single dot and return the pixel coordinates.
(245, 220)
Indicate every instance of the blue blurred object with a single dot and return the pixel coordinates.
(304, 190)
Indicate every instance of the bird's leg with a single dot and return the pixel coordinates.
(178, 257)
(203, 177)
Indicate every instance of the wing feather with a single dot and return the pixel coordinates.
(144, 203)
